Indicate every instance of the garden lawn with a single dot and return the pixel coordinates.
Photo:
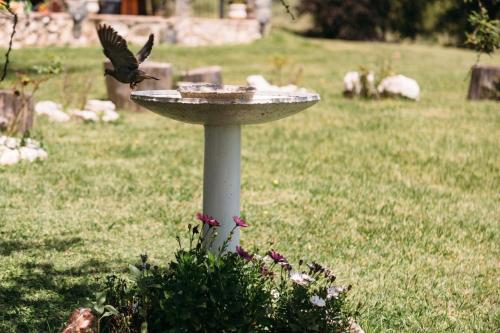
(400, 198)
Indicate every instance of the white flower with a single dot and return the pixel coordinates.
(301, 278)
(275, 294)
(318, 301)
(335, 291)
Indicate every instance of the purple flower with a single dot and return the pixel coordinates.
(240, 222)
(277, 257)
(244, 254)
(209, 220)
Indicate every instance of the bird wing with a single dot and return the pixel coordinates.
(115, 48)
(144, 53)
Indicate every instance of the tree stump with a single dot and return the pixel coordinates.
(11, 110)
(119, 93)
(484, 82)
(211, 75)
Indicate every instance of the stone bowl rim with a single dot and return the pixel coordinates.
(260, 98)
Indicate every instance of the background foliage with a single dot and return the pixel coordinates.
(382, 19)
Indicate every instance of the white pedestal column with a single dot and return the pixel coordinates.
(221, 181)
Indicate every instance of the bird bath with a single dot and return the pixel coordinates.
(223, 120)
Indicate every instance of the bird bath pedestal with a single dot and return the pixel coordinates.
(223, 120)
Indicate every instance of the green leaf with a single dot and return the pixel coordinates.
(111, 309)
(134, 271)
(144, 327)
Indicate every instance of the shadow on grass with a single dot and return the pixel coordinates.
(38, 296)
(10, 246)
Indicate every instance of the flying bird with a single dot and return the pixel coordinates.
(125, 63)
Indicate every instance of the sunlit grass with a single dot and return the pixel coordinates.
(400, 198)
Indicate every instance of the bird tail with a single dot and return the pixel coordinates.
(151, 77)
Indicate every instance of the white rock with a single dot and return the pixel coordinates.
(110, 116)
(42, 154)
(9, 156)
(29, 154)
(400, 85)
(31, 143)
(52, 110)
(85, 115)
(261, 84)
(370, 78)
(352, 83)
(11, 143)
(98, 106)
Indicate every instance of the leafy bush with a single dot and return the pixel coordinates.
(200, 291)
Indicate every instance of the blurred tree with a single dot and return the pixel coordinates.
(406, 17)
(372, 19)
(455, 18)
(347, 19)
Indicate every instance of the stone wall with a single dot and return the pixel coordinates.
(56, 29)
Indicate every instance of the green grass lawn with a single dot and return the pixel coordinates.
(400, 198)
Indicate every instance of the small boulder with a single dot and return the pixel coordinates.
(359, 84)
(98, 106)
(352, 84)
(261, 84)
(399, 85)
(84, 115)
(110, 116)
(32, 154)
(9, 156)
(52, 110)
(105, 110)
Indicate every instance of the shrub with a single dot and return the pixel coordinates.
(200, 291)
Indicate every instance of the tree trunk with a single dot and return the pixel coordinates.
(119, 93)
(11, 110)
(211, 75)
(484, 82)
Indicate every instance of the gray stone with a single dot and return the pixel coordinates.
(263, 107)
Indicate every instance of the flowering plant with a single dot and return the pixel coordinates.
(200, 291)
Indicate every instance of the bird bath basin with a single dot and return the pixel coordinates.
(222, 120)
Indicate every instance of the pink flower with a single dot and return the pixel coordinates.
(209, 220)
(240, 222)
(244, 254)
